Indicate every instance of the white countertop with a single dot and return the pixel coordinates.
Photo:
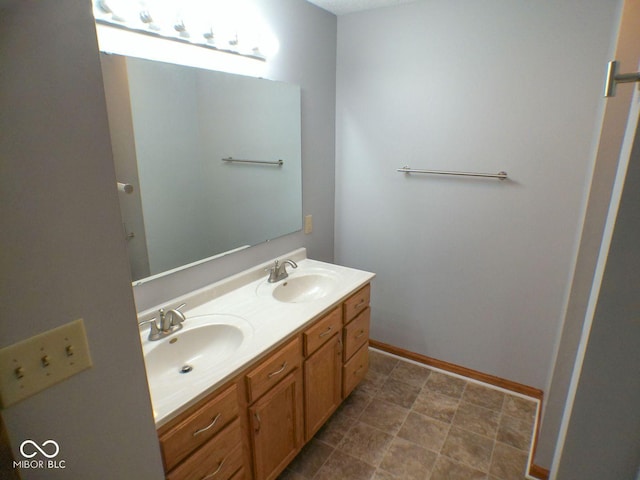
(245, 300)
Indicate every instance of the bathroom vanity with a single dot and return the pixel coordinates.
(246, 407)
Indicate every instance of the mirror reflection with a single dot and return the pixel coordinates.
(174, 130)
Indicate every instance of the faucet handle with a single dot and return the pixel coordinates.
(176, 313)
(154, 330)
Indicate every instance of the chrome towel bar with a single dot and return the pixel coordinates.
(499, 175)
(260, 162)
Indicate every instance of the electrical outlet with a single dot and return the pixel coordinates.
(34, 364)
(308, 223)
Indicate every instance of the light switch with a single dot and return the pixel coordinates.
(308, 223)
(34, 364)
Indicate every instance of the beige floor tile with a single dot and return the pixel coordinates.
(477, 419)
(355, 403)
(408, 461)
(519, 407)
(372, 382)
(400, 393)
(445, 385)
(335, 429)
(447, 469)
(381, 363)
(424, 431)
(508, 463)
(366, 443)
(344, 467)
(411, 374)
(382, 475)
(384, 416)
(469, 448)
(291, 475)
(484, 396)
(515, 432)
(435, 405)
(311, 458)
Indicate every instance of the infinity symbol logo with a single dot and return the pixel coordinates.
(39, 449)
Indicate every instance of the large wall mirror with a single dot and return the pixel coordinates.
(173, 131)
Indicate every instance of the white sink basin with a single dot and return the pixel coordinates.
(301, 287)
(305, 288)
(187, 355)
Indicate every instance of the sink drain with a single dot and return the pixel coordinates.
(186, 369)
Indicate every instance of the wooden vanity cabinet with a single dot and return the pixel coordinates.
(253, 426)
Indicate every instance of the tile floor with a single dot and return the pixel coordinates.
(408, 422)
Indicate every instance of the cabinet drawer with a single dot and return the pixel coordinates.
(355, 370)
(199, 427)
(273, 369)
(357, 303)
(356, 333)
(322, 331)
(219, 458)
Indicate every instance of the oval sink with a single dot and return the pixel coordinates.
(304, 288)
(186, 355)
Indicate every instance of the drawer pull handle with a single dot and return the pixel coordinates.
(326, 332)
(360, 334)
(257, 429)
(211, 475)
(273, 374)
(198, 432)
(362, 302)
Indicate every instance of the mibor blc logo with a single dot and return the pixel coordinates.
(38, 456)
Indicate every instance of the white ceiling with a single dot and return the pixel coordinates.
(341, 7)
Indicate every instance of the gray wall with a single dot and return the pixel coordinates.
(307, 57)
(474, 272)
(62, 251)
(602, 439)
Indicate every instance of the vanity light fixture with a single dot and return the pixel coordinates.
(189, 24)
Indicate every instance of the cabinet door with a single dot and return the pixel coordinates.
(276, 427)
(322, 381)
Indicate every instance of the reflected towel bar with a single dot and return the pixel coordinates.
(500, 175)
(260, 162)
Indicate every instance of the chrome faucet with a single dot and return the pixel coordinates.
(170, 322)
(279, 270)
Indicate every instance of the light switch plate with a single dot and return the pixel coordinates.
(34, 364)
(308, 223)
